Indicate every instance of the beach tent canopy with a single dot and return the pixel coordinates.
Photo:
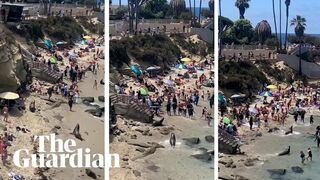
(266, 94)
(185, 60)
(221, 98)
(226, 120)
(9, 95)
(181, 66)
(272, 87)
(48, 43)
(53, 60)
(135, 70)
(144, 91)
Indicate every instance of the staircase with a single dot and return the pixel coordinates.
(227, 143)
(38, 69)
(128, 107)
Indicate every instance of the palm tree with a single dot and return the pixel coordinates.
(280, 25)
(287, 2)
(194, 11)
(242, 5)
(263, 30)
(274, 19)
(190, 6)
(300, 25)
(200, 10)
(178, 6)
(211, 5)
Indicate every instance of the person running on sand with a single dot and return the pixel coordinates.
(302, 156)
(309, 154)
(5, 112)
(95, 84)
(169, 107)
(50, 91)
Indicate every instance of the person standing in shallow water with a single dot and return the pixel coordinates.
(311, 119)
(302, 156)
(309, 154)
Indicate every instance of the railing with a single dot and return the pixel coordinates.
(249, 47)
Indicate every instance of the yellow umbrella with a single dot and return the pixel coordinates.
(185, 60)
(87, 37)
(272, 87)
(9, 95)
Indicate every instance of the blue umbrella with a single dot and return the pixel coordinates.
(136, 70)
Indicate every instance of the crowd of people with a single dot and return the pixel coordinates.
(175, 97)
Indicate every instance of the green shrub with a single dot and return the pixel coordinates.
(241, 77)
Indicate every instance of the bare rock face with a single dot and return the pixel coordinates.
(11, 63)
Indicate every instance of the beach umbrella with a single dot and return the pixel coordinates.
(168, 82)
(151, 68)
(48, 43)
(181, 66)
(272, 87)
(253, 110)
(53, 60)
(235, 96)
(61, 43)
(226, 120)
(87, 37)
(144, 91)
(135, 70)
(266, 94)
(185, 60)
(9, 95)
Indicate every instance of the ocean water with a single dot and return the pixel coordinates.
(198, 10)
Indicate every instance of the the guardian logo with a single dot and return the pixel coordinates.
(62, 154)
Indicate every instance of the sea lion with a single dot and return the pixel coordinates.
(285, 152)
(290, 131)
(173, 140)
(76, 132)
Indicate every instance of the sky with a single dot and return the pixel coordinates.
(205, 3)
(262, 10)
